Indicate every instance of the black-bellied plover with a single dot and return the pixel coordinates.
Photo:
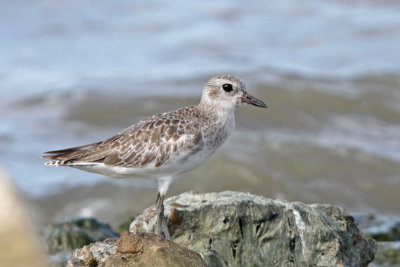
(167, 144)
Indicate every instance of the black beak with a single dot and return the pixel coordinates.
(249, 99)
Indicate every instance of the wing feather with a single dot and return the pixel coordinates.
(156, 140)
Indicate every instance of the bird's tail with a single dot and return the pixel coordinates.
(68, 156)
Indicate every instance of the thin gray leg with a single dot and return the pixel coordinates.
(162, 228)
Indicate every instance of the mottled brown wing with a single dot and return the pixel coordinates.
(155, 141)
(152, 141)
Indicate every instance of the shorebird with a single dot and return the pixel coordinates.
(165, 145)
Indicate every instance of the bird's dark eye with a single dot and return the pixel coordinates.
(227, 87)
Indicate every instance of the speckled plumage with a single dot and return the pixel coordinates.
(159, 141)
(167, 144)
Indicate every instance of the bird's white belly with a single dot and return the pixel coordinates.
(170, 169)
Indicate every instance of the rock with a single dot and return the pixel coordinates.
(142, 249)
(75, 233)
(212, 258)
(249, 230)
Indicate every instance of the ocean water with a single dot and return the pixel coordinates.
(74, 72)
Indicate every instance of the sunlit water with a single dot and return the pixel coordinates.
(75, 72)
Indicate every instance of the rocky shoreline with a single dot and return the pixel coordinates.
(229, 229)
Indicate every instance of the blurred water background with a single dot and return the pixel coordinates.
(74, 72)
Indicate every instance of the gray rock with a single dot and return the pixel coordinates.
(249, 230)
(142, 249)
(212, 258)
(75, 233)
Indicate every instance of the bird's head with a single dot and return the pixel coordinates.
(228, 92)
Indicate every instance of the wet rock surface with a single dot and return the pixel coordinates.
(142, 249)
(248, 230)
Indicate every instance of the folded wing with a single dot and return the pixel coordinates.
(153, 141)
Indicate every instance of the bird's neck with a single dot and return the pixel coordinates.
(218, 125)
(217, 113)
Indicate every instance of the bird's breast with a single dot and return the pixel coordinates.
(216, 132)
